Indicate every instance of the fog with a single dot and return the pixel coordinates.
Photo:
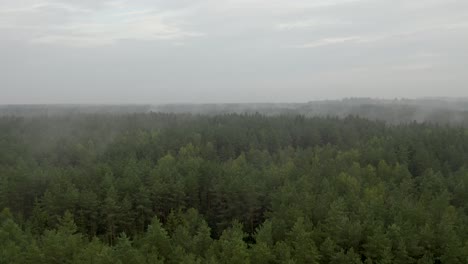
(230, 51)
(396, 111)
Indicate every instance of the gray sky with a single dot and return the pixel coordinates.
(155, 51)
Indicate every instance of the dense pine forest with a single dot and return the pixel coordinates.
(231, 188)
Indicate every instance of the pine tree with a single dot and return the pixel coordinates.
(230, 248)
(63, 244)
(13, 241)
(300, 238)
(155, 244)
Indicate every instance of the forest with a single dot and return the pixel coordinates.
(231, 188)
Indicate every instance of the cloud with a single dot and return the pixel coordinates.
(105, 31)
(367, 39)
(283, 4)
(41, 7)
(310, 23)
(413, 67)
(176, 48)
(85, 26)
(329, 41)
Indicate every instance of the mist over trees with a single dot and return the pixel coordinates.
(132, 186)
(397, 111)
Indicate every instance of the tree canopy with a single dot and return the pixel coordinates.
(233, 188)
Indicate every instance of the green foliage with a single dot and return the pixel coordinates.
(155, 244)
(230, 248)
(165, 188)
(62, 244)
(13, 241)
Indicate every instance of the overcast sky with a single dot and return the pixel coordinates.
(155, 51)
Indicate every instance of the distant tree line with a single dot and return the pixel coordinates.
(443, 111)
